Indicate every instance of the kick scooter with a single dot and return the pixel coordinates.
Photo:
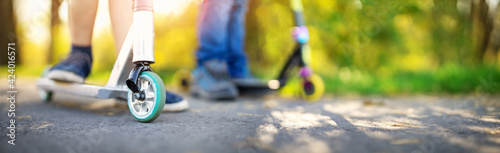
(312, 86)
(132, 77)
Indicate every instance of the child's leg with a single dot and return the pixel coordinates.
(237, 61)
(211, 76)
(76, 67)
(82, 15)
(121, 15)
(212, 30)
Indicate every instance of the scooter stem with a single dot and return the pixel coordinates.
(143, 47)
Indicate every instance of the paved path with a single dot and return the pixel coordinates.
(266, 124)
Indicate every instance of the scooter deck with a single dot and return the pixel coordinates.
(253, 87)
(93, 91)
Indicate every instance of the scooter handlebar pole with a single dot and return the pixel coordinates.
(143, 46)
(298, 10)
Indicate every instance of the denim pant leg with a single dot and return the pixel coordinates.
(212, 30)
(237, 59)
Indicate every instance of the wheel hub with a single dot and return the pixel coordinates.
(143, 102)
(308, 87)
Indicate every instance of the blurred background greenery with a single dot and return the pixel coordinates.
(359, 47)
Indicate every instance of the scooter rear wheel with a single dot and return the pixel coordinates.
(313, 88)
(182, 78)
(151, 107)
(45, 95)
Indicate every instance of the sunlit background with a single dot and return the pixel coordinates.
(358, 46)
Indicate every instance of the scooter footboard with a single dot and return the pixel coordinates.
(82, 89)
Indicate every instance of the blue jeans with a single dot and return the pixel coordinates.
(221, 35)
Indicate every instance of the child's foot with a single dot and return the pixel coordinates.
(75, 68)
(212, 81)
(175, 103)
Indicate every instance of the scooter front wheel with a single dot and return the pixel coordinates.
(313, 88)
(151, 107)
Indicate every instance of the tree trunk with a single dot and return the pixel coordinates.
(54, 21)
(8, 30)
(493, 46)
(482, 26)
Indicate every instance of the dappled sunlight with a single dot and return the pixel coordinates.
(389, 118)
(346, 107)
(306, 143)
(334, 133)
(480, 129)
(458, 140)
(494, 139)
(492, 119)
(388, 115)
(439, 111)
(291, 120)
(388, 125)
(358, 108)
(379, 135)
(380, 123)
(266, 132)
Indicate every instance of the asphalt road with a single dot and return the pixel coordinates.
(410, 124)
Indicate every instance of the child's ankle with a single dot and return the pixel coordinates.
(82, 49)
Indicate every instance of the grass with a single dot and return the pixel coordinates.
(449, 80)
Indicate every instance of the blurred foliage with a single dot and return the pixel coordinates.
(376, 47)
(405, 35)
(358, 46)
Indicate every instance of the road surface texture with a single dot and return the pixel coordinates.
(410, 124)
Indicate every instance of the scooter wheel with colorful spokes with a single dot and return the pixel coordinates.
(151, 107)
(313, 88)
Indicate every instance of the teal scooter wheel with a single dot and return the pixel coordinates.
(150, 108)
(45, 95)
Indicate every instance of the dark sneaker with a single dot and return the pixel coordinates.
(175, 103)
(75, 68)
(212, 81)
